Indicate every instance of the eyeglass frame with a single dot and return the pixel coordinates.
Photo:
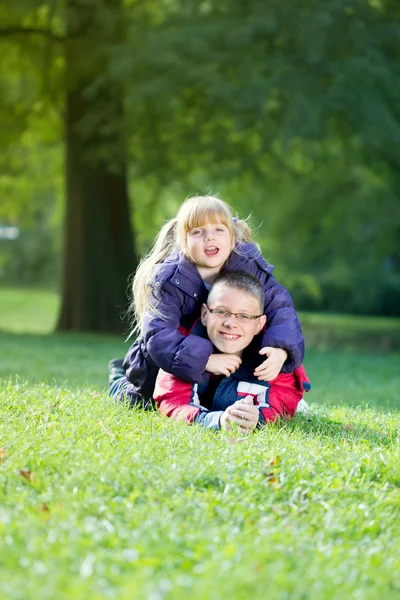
(227, 314)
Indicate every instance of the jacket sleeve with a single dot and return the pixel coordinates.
(183, 356)
(283, 328)
(175, 398)
(286, 392)
(178, 400)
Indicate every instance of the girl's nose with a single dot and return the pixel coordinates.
(209, 235)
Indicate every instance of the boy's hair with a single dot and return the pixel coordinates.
(194, 212)
(241, 280)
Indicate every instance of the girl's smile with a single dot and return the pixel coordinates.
(211, 251)
(209, 247)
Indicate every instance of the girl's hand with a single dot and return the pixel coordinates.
(243, 413)
(223, 364)
(270, 368)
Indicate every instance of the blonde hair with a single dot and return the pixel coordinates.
(194, 212)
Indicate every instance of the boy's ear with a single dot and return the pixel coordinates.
(203, 314)
(261, 323)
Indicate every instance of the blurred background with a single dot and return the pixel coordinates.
(112, 112)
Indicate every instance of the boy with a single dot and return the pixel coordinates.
(232, 320)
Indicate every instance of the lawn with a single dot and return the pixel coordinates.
(99, 501)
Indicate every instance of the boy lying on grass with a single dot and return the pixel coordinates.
(232, 320)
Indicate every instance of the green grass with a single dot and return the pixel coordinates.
(28, 310)
(373, 334)
(98, 501)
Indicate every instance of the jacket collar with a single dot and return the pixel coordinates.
(183, 274)
(242, 254)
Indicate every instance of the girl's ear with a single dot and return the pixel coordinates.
(261, 323)
(203, 314)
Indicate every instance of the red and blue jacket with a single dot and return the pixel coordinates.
(204, 403)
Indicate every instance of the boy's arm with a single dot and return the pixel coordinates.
(175, 398)
(285, 393)
(178, 400)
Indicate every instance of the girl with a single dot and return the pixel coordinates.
(169, 288)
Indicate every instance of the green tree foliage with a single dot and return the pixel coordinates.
(290, 111)
(300, 104)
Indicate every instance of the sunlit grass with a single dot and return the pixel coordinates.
(99, 501)
(28, 310)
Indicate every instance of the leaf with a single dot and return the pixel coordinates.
(270, 477)
(26, 474)
(274, 461)
(3, 454)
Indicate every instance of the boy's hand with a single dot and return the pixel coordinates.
(270, 368)
(223, 364)
(243, 413)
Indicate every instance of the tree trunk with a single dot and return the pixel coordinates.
(99, 246)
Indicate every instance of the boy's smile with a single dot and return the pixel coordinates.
(228, 334)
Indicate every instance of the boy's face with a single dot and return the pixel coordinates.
(229, 334)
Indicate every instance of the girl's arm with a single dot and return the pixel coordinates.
(283, 327)
(185, 356)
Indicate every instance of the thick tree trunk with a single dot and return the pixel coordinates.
(99, 247)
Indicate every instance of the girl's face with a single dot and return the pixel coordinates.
(209, 247)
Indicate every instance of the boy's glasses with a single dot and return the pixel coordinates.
(225, 314)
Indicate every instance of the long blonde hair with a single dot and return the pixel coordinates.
(194, 212)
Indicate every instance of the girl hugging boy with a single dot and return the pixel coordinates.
(170, 287)
(232, 320)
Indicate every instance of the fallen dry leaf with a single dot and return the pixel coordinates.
(270, 477)
(26, 474)
(3, 454)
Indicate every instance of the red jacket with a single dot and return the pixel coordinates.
(204, 403)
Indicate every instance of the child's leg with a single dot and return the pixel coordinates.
(117, 381)
(120, 388)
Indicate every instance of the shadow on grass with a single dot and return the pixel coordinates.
(322, 426)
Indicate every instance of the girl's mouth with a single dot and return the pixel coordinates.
(211, 251)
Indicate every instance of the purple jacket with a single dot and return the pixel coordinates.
(179, 293)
